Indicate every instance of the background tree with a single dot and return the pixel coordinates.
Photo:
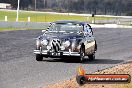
(114, 7)
(25, 3)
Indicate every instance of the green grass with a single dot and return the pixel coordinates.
(6, 29)
(43, 17)
(12, 29)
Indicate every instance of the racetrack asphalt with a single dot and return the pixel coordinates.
(19, 69)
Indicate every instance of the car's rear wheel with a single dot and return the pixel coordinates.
(95, 49)
(91, 57)
(82, 54)
(39, 57)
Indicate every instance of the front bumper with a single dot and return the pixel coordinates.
(61, 53)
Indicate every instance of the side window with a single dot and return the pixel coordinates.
(88, 29)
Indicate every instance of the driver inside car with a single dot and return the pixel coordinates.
(87, 30)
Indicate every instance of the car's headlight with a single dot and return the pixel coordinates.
(37, 42)
(66, 43)
(44, 42)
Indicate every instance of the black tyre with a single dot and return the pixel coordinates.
(81, 80)
(82, 54)
(45, 56)
(95, 46)
(91, 57)
(39, 57)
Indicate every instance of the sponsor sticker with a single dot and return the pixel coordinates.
(83, 78)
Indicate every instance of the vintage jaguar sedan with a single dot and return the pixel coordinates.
(66, 38)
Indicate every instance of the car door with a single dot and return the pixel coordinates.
(89, 44)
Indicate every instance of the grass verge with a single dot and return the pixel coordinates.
(45, 17)
(13, 29)
(8, 29)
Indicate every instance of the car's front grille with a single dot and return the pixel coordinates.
(56, 43)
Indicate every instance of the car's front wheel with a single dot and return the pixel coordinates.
(91, 57)
(39, 57)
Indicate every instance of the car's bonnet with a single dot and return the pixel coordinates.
(62, 36)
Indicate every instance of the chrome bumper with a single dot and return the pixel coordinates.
(51, 53)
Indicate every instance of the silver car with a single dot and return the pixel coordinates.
(66, 38)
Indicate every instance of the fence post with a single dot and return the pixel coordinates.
(5, 18)
(28, 19)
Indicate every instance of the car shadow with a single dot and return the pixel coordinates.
(63, 59)
(103, 61)
(86, 61)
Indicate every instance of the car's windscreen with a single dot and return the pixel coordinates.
(65, 28)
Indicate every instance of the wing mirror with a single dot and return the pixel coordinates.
(43, 31)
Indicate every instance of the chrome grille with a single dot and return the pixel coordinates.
(56, 43)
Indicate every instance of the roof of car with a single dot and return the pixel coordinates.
(69, 21)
